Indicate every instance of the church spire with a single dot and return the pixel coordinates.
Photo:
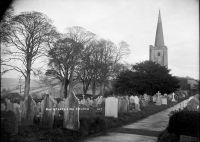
(159, 41)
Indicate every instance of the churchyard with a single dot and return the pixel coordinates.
(74, 119)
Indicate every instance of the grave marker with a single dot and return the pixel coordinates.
(173, 97)
(111, 107)
(28, 110)
(48, 111)
(137, 103)
(71, 112)
(158, 99)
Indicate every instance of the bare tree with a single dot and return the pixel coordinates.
(30, 34)
(66, 56)
(4, 34)
(106, 62)
(85, 68)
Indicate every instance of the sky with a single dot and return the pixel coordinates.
(133, 21)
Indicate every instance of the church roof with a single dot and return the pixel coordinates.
(159, 41)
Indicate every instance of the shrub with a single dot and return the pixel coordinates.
(165, 136)
(84, 126)
(184, 123)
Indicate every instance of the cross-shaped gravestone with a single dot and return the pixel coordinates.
(173, 97)
(71, 112)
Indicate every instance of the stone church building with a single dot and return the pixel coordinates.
(158, 52)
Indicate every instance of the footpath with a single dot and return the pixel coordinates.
(145, 130)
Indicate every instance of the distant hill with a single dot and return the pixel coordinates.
(13, 83)
(37, 88)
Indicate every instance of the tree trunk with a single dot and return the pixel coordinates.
(27, 78)
(65, 86)
(27, 83)
(0, 58)
(102, 88)
(70, 85)
(93, 88)
(85, 87)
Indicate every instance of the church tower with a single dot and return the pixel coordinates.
(158, 52)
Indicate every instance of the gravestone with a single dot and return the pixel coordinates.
(17, 111)
(143, 102)
(154, 98)
(137, 103)
(28, 108)
(164, 101)
(48, 111)
(83, 101)
(71, 112)
(122, 105)
(146, 98)
(38, 108)
(184, 138)
(94, 103)
(131, 103)
(158, 99)
(173, 97)
(132, 99)
(9, 105)
(60, 107)
(165, 95)
(111, 107)
(3, 107)
(99, 100)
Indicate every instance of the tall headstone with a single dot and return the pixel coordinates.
(3, 107)
(122, 105)
(158, 99)
(111, 107)
(154, 98)
(173, 97)
(71, 112)
(146, 98)
(17, 112)
(132, 99)
(28, 110)
(131, 103)
(48, 111)
(137, 103)
(9, 105)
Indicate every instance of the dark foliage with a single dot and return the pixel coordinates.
(13, 97)
(146, 77)
(165, 136)
(9, 125)
(184, 123)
